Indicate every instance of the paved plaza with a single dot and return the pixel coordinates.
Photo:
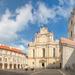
(36, 72)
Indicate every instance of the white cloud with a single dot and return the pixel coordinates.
(67, 2)
(61, 2)
(44, 13)
(72, 2)
(63, 12)
(65, 8)
(9, 27)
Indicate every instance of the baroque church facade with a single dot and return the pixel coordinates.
(44, 50)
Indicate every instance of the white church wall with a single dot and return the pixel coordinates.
(68, 57)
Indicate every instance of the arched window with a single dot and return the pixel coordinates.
(5, 59)
(53, 52)
(43, 52)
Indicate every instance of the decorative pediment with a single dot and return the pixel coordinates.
(42, 61)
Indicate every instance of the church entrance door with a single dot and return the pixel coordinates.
(43, 65)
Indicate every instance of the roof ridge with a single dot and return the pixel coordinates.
(10, 48)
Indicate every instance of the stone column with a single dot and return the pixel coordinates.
(20, 66)
(2, 63)
(8, 67)
(12, 66)
(16, 66)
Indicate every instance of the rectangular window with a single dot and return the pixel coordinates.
(43, 52)
(0, 51)
(71, 22)
(53, 52)
(33, 53)
(71, 33)
(0, 59)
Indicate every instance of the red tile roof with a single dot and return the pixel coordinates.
(4, 47)
(67, 41)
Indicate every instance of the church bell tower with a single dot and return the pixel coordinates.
(71, 27)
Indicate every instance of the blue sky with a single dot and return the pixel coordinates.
(21, 19)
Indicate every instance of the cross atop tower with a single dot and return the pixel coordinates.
(43, 26)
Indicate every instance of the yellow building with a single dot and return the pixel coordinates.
(12, 58)
(44, 50)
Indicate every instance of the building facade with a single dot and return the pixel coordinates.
(44, 50)
(71, 26)
(67, 45)
(12, 58)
